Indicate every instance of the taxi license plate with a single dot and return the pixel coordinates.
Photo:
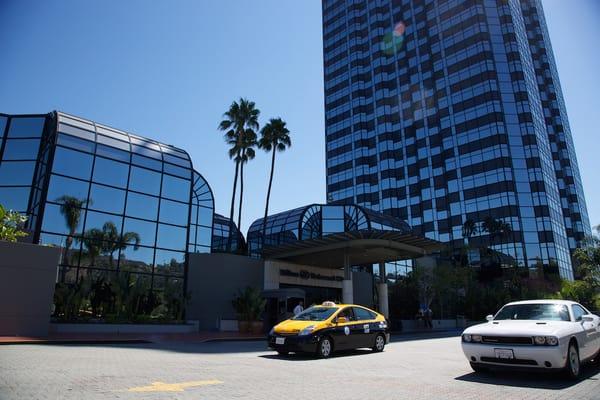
(506, 354)
(280, 340)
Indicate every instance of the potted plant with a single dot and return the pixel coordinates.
(249, 305)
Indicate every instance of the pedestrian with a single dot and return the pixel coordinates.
(299, 308)
(429, 318)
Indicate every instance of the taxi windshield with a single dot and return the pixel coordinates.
(315, 314)
(538, 312)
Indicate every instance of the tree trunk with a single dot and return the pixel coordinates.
(264, 226)
(241, 191)
(237, 168)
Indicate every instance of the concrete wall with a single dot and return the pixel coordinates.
(27, 279)
(214, 280)
(362, 283)
(124, 328)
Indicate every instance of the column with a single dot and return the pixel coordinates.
(347, 288)
(382, 290)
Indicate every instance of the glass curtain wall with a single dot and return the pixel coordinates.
(124, 210)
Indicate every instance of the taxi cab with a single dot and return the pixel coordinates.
(330, 327)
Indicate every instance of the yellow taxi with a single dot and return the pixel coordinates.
(330, 327)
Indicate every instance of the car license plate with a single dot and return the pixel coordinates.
(280, 340)
(506, 354)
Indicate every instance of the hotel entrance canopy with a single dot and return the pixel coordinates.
(336, 235)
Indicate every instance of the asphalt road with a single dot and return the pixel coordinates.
(408, 369)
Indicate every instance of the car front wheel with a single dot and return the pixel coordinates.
(325, 347)
(573, 367)
(478, 368)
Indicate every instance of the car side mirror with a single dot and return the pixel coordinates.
(489, 318)
(341, 320)
(587, 318)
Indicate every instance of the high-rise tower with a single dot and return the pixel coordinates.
(449, 114)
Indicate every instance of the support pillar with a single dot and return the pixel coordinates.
(347, 285)
(382, 290)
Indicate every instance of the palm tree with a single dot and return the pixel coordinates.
(247, 145)
(93, 241)
(113, 241)
(274, 137)
(239, 120)
(70, 208)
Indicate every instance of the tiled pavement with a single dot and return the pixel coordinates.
(408, 369)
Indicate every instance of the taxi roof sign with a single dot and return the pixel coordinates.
(329, 304)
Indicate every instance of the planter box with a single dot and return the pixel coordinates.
(189, 327)
(27, 280)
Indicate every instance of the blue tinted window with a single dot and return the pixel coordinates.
(72, 256)
(141, 206)
(21, 149)
(174, 212)
(97, 220)
(111, 172)
(169, 262)
(182, 172)
(16, 172)
(107, 199)
(176, 188)
(113, 153)
(76, 143)
(143, 180)
(2, 126)
(171, 237)
(61, 186)
(146, 162)
(140, 260)
(26, 127)
(72, 163)
(56, 222)
(146, 230)
(15, 198)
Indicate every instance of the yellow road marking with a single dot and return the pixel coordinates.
(173, 387)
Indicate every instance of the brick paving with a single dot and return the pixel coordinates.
(432, 368)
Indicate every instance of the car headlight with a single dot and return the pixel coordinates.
(551, 341)
(476, 338)
(539, 340)
(307, 331)
(383, 325)
(467, 337)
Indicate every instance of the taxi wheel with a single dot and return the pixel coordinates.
(573, 367)
(325, 347)
(379, 344)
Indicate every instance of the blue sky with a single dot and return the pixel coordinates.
(168, 70)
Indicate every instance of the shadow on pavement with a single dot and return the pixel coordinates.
(531, 379)
(410, 336)
(311, 357)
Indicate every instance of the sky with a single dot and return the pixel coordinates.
(168, 70)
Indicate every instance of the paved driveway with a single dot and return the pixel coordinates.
(408, 369)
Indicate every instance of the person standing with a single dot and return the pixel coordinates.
(299, 308)
(429, 318)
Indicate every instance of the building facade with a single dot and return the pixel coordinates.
(449, 115)
(123, 208)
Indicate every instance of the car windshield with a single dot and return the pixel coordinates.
(538, 312)
(315, 314)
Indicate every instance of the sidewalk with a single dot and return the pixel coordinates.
(102, 338)
(200, 337)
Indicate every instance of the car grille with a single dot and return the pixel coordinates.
(518, 340)
(512, 361)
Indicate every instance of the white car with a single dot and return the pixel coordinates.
(535, 334)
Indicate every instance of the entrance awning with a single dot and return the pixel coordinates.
(362, 247)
